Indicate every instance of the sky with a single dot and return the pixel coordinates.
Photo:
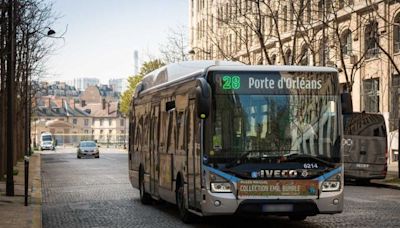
(101, 35)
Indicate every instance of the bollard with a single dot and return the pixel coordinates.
(26, 166)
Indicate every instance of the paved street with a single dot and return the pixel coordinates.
(97, 193)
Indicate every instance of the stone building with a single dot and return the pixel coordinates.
(71, 119)
(360, 38)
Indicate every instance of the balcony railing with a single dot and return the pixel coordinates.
(372, 52)
(396, 47)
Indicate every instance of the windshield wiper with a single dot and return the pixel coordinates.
(296, 156)
(262, 153)
(237, 161)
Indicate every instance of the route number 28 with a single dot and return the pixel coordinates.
(230, 82)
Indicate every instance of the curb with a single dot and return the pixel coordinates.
(385, 185)
(36, 194)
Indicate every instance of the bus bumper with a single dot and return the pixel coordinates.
(228, 204)
(364, 175)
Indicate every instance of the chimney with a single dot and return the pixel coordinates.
(71, 103)
(103, 102)
(83, 103)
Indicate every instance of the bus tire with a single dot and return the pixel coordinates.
(145, 198)
(297, 217)
(184, 213)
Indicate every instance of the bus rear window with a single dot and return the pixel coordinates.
(46, 138)
(364, 124)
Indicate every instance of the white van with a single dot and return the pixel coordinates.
(47, 141)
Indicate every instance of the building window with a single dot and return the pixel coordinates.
(396, 34)
(273, 59)
(122, 122)
(323, 52)
(371, 95)
(346, 43)
(285, 21)
(341, 4)
(371, 40)
(86, 122)
(308, 11)
(288, 57)
(86, 131)
(109, 122)
(75, 121)
(320, 8)
(304, 60)
(394, 103)
(395, 155)
(101, 122)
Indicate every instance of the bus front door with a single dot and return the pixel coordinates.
(193, 157)
(154, 159)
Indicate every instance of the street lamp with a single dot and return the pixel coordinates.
(192, 51)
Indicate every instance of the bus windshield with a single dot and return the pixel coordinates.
(271, 117)
(47, 138)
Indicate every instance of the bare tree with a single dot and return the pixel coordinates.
(32, 19)
(176, 47)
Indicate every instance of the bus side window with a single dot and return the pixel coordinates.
(146, 127)
(171, 132)
(163, 131)
(180, 131)
(138, 135)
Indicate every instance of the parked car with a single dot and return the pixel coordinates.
(47, 141)
(88, 149)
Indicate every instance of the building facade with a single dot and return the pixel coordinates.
(360, 38)
(72, 119)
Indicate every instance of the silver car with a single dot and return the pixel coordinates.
(88, 149)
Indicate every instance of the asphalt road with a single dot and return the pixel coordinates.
(97, 193)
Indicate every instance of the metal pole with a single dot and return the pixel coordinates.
(27, 98)
(26, 166)
(10, 96)
(323, 33)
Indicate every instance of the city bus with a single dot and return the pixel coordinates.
(365, 158)
(223, 138)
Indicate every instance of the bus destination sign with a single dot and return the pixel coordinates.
(272, 83)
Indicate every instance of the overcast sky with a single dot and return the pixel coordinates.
(102, 35)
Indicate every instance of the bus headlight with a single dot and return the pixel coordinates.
(332, 184)
(221, 187)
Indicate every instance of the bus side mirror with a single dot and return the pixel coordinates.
(347, 103)
(203, 98)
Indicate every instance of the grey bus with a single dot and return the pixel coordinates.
(365, 154)
(222, 138)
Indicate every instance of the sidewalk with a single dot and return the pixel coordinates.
(391, 181)
(13, 213)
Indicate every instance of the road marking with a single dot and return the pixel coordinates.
(358, 200)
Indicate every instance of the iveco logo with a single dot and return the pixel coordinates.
(285, 173)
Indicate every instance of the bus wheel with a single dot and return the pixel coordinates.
(297, 217)
(185, 215)
(145, 198)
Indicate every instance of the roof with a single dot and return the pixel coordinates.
(57, 107)
(96, 109)
(175, 71)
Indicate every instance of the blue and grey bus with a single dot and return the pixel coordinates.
(222, 138)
